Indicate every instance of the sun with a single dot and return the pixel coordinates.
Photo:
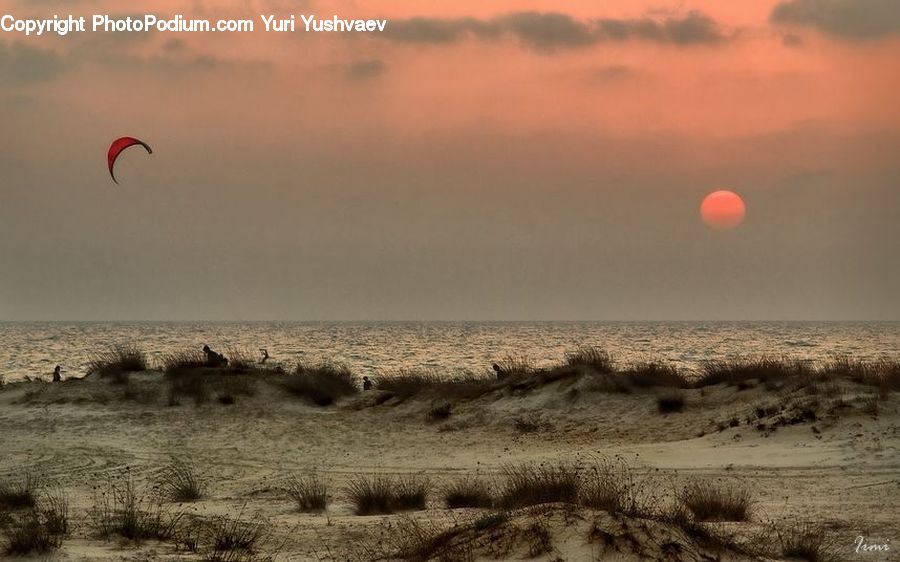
(723, 209)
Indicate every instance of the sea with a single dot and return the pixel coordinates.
(32, 349)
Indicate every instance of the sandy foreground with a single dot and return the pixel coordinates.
(840, 470)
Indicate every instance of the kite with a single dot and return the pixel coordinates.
(117, 147)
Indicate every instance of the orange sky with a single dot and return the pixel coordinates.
(667, 97)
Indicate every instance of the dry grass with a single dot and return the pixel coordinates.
(233, 540)
(118, 362)
(120, 510)
(714, 501)
(382, 494)
(180, 483)
(529, 484)
(30, 534)
(592, 357)
(309, 493)
(19, 493)
(736, 371)
(468, 492)
(613, 486)
(322, 384)
(807, 541)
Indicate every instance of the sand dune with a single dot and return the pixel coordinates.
(820, 454)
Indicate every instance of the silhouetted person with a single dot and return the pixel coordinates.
(57, 376)
(499, 371)
(367, 383)
(265, 356)
(214, 359)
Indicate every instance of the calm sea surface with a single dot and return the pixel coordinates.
(33, 349)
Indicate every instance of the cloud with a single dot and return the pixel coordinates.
(550, 31)
(24, 64)
(366, 69)
(846, 19)
(612, 72)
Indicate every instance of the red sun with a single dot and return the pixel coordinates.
(723, 209)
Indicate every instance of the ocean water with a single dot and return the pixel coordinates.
(33, 349)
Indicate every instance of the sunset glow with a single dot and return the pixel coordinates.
(723, 209)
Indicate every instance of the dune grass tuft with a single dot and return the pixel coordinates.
(530, 484)
(19, 493)
(309, 493)
(593, 357)
(180, 483)
(713, 501)
(117, 362)
(382, 494)
(670, 403)
(468, 492)
(322, 384)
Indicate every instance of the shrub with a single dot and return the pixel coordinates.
(179, 483)
(386, 494)
(593, 357)
(809, 542)
(30, 535)
(468, 492)
(527, 424)
(322, 384)
(121, 511)
(670, 403)
(54, 509)
(233, 540)
(709, 501)
(309, 493)
(527, 484)
(612, 486)
(19, 494)
(117, 362)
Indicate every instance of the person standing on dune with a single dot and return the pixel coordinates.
(57, 376)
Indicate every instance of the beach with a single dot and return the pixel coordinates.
(810, 451)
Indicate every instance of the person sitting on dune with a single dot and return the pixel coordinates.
(499, 371)
(367, 383)
(214, 359)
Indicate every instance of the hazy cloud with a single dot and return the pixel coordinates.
(547, 31)
(847, 19)
(23, 64)
(366, 69)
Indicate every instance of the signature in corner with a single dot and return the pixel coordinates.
(863, 546)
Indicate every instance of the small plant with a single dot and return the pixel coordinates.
(710, 501)
(613, 486)
(309, 493)
(809, 542)
(30, 535)
(381, 494)
(529, 484)
(121, 511)
(19, 494)
(179, 483)
(468, 492)
(670, 403)
(233, 540)
(54, 509)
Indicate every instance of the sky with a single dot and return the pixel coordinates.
(504, 160)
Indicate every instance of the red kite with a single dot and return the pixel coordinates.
(117, 147)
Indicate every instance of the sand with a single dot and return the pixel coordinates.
(841, 470)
